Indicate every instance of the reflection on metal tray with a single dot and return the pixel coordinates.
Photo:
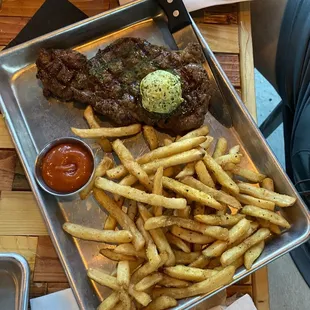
(14, 282)
(33, 121)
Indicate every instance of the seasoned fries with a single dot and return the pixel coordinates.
(189, 273)
(92, 123)
(252, 254)
(191, 193)
(92, 234)
(150, 136)
(221, 176)
(162, 152)
(203, 174)
(279, 199)
(187, 220)
(122, 218)
(135, 194)
(220, 148)
(216, 194)
(100, 171)
(266, 215)
(130, 164)
(107, 132)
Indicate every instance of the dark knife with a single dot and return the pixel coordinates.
(181, 27)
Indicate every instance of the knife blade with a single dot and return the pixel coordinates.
(180, 26)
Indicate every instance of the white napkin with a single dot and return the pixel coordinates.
(193, 5)
(65, 300)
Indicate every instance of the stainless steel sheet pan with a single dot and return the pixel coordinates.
(33, 121)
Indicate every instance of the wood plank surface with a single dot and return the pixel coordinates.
(7, 169)
(5, 138)
(20, 215)
(23, 245)
(261, 289)
(10, 27)
(48, 267)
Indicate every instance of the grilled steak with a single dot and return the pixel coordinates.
(109, 82)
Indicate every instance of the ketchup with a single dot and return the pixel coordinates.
(67, 167)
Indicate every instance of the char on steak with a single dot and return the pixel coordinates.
(109, 82)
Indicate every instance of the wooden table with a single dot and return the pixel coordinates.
(22, 230)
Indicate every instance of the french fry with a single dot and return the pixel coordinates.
(252, 254)
(267, 183)
(216, 194)
(103, 278)
(110, 302)
(152, 254)
(185, 258)
(129, 249)
(158, 237)
(235, 149)
(183, 213)
(162, 302)
(175, 148)
(220, 174)
(270, 216)
(135, 194)
(111, 222)
(167, 141)
(272, 227)
(205, 145)
(123, 274)
(234, 253)
(229, 158)
(111, 206)
(190, 236)
(100, 171)
(215, 249)
(132, 209)
(150, 136)
(125, 300)
(141, 297)
(158, 189)
(222, 220)
(92, 234)
(216, 232)
(130, 164)
(238, 230)
(258, 202)
(198, 209)
(220, 148)
(179, 243)
(168, 281)
(107, 132)
(148, 268)
(188, 170)
(279, 199)
(203, 174)
(92, 123)
(200, 262)
(189, 273)
(216, 281)
(146, 235)
(117, 256)
(253, 227)
(148, 281)
(215, 262)
(202, 131)
(250, 175)
(191, 193)
(236, 264)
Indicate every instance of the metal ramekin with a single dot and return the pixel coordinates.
(47, 147)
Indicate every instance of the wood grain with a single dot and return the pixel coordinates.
(20, 182)
(7, 169)
(5, 138)
(240, 290)
(222, 14)
(221, 38)
(20, 215)
(37, 289)
(261, 289)
(10, 27)
(25, 246)
(48, 267)
(246, 59)
(230, 65)
(55, 287)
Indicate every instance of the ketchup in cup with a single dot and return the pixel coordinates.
(67, 167)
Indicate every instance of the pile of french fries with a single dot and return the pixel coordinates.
(192, 217)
